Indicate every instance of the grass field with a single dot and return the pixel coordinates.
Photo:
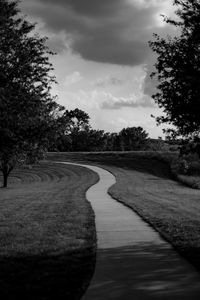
(145, 184)
(47, 233)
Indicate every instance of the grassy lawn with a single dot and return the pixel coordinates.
(145, 184)
(47, 233)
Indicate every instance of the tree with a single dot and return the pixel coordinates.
(112, 142)
(73, 127)
(178, 71)
(79, 124)
(27, 109)
(92, 140)
(133, 138)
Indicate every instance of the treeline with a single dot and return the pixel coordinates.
(74, 133)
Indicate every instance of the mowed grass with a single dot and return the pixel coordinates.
(47, 233)
(145, 184)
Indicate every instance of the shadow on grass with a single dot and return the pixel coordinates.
(143, 271)
(138, 161)
(47, 277)
(144, 165)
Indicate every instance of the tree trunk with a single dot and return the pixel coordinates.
(5, 179)
(6, 171)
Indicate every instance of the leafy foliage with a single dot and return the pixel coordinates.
(78, 135)
(178, 71)
(133, 138)
(27, 109)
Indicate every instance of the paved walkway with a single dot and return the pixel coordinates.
(133, 261)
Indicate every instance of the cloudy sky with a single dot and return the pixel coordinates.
(103, 59)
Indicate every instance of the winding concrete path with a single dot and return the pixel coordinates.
(133, 261)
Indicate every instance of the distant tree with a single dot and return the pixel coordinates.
(27, 109)
(62, 140)
(133, 138)
(178, 71)
(76, 134)
(79, 124)
(112, 141)
(109, 141)
(95, 140)
(73, 131)
(83, 137)
(157, 145)
(79, 119)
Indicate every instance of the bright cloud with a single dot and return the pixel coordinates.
(112, 102)
(109, 81)
(73, 78)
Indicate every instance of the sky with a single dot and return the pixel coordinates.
(103, 59)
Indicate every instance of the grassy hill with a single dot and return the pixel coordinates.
(47, 233)
(146, 184)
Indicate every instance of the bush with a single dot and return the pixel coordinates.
(183, 166)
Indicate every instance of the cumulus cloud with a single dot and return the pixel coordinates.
(73, 78)
(109, 31)
(112, 102)
(110, 80)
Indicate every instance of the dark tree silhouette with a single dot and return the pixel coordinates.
(178, 71)
(79, 124)
(27, 109)
(76, 134)
(133, 138)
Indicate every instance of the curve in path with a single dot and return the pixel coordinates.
(133, 261)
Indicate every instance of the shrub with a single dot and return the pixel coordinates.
(183, 166)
